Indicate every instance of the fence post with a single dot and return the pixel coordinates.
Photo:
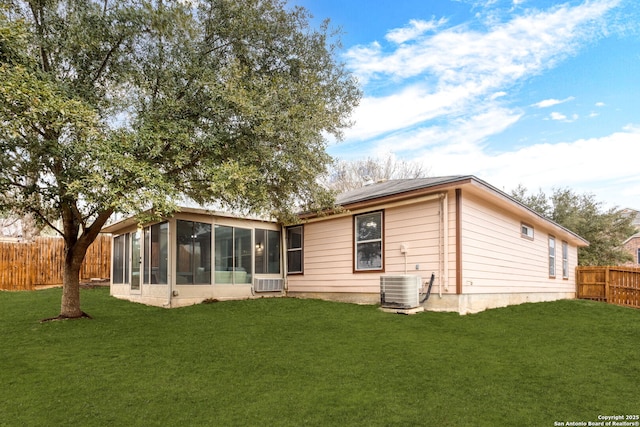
(31, 266)
(607, 290)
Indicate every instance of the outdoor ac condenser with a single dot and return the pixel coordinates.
(400, 291)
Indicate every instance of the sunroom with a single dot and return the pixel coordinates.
(194, 256)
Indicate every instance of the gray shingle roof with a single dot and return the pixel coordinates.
(399, 186)
(393, 187)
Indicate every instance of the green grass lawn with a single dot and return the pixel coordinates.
(291, 362)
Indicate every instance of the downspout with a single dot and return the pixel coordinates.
(170, 267)
(445, 250)
(440, 244)
(283, 254)
(458, 241)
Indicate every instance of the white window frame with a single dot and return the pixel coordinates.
(121, 243)
(565, 260)
(190, 242)
(526, 231)
(162, 276)
(552, 257)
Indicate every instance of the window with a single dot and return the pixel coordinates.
(156, 254)
(193, 264)
(267, 253)
(638, 255)
(552, 256)
(136, 261)
(233, 255)
(526, 231)
(368, 241)
(121, 259)
(565, 260)
(294, 250)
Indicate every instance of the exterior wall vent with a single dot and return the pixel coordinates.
(400, 291)
(268, 285)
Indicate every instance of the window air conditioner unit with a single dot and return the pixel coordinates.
(400, 291)
(268, 285)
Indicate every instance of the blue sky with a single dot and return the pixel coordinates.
(534, 92)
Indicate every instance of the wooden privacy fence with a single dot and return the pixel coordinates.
(615, 285)
(25, 265)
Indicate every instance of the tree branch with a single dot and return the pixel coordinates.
(107, 57)
(37, 17)
(94, 229)
(77, 215)
(44, 219)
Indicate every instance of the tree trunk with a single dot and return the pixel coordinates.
(70, 306)
(75, 249)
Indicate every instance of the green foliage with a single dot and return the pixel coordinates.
(134, 104)
(293, 362)
(605, 229)
(122, 105)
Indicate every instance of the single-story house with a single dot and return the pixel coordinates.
(483, 248)
(632, 244)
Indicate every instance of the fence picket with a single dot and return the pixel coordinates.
(23, 266)
(613, 284)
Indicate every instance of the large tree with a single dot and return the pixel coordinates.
(127, 106)
(605, 229)
(346, 175)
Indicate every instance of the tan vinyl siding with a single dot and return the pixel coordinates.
(328, 250)
(416, 227)
(497, 259)
(451, 250)
(327, 257)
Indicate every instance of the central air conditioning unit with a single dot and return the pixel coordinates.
(400, 291)
(268, 285)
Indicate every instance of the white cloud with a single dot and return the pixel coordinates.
(458, 68)
(551, 102)
(526, 44)
(450, 98)
(581, 165)
(600, 104)
(415, 29)
(462, 135)
(563, 118)
(413, 105)
(557, 116)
